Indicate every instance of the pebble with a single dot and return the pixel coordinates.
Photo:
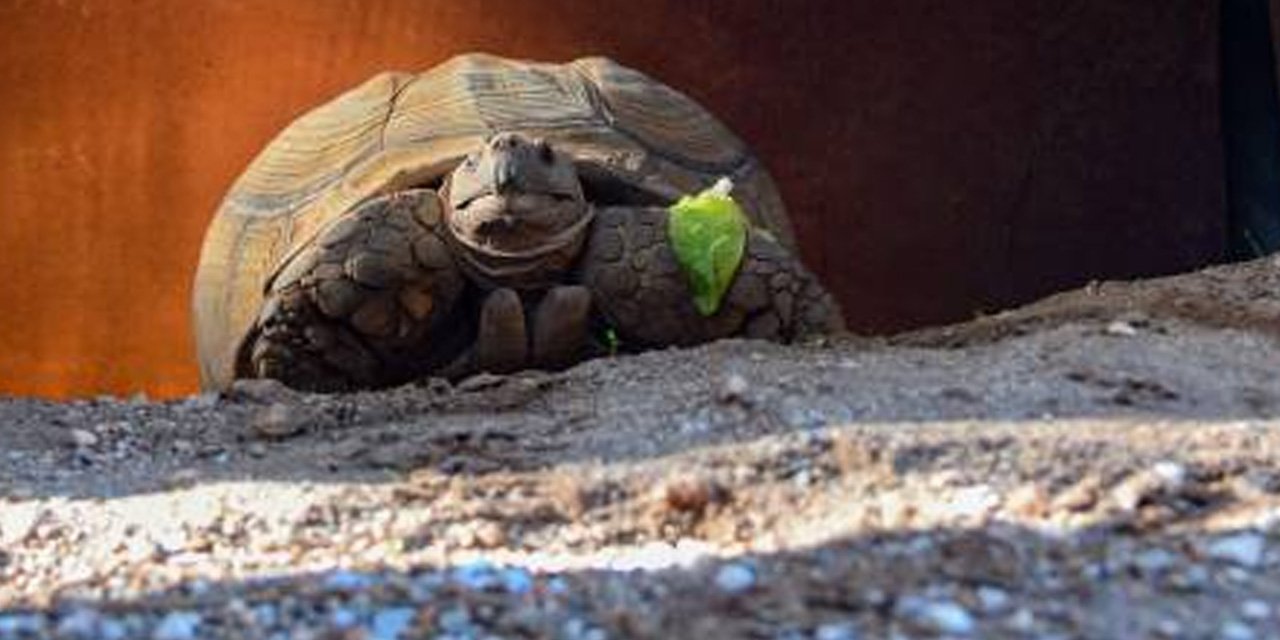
(734, 389)
(490, 535)
(178, 625)
(343, 618)
(1121, 328)
(389, 624)
(183, 478)
(477, 576)
(20, 623)
(81, 623)
(455, 619)
(836, 631)
(277, 420)
(1243, 549)
(968, 502)
(1154, 560)
(206, 400)
(1022, 620)
(1163, 478)
(266, 615)
(112, 630)
(1236, 630)
(993, 600)
(516, 580)
(735, 578)
(83, 438)
(941, 616)
(1255, 609)
(343, 580)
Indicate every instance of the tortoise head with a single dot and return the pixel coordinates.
(517, 208)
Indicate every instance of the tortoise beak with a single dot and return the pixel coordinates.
(505, 174)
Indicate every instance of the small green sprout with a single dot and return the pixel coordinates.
(611, 341)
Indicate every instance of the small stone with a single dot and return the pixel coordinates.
(83, 439)
(1192, 579)
(343, 580)
(1255, 609)
(477, 576)
(259, 390)
(1236, 630)
(343, 618)
(490, 535)
(1162, 479)
(689, 494)
(1154, 560)
(266, 615)
(1028, 501)
(455, 620)
(1243, 549)
(112, 630)
(183, 478)
(278, 420)
(206, 400)
(18, 522)
(390, 624)
(21, 623)
(993, 600)
(1169, 628)
(968, 502)
(516, 580)
(1121, 328)
(81, 623)
(735, 578)
(836, 631)
(733, 389)
(481, 382)
(940, 616)
(1079, 497)
(178, 625)
(1022, 621)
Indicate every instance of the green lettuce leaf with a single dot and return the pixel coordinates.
(708, 233)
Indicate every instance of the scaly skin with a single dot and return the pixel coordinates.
(371, 303)
(641, 292)
(399, 288)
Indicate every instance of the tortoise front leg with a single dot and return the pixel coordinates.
(369, 304)
(553, 336)
(641, 291)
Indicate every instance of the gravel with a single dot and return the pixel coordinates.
(1099, 465)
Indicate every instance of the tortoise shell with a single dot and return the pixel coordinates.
(400, 130)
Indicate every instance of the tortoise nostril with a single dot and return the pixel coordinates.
(506, 142)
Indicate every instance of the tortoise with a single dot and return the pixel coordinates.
(489, 214)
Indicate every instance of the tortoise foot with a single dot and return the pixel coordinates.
(365, 305)
(560, 327)
(502, 345)
(553, 337)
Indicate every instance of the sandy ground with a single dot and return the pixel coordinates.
(1103, 464)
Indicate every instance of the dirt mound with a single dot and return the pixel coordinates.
(1099, 464)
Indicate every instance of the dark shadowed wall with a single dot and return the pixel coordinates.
(940, 158)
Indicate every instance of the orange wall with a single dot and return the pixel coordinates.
(939, 157)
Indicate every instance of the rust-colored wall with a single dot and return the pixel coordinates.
(940, 157)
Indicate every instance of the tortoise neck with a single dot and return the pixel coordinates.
(534, 268)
